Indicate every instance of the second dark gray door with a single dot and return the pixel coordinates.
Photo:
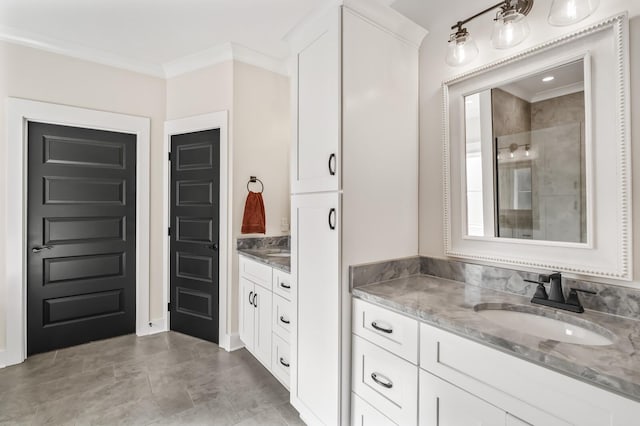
(81, 238)
(195, 221)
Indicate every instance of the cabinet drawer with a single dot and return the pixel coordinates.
(280, 364)
(442, 404)
(363, 414)
(282, 317)
(529, 392)
(386, 381)
(282, 283)
(392, 331)
(256, 272)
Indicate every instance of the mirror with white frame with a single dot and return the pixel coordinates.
(537, 159)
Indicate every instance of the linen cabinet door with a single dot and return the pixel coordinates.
(247, 313)
(263, 301)
(317, 139)
(315, 335)
(442, 404)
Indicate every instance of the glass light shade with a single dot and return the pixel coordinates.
(510, 29)
(567, 12)
(461, 50)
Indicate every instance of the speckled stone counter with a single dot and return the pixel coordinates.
(450, 305)
(263, 256)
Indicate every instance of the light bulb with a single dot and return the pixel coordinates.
(567, 12)
(511, 155)
(461, 49)
(510, 29)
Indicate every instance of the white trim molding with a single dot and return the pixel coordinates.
(216, 120)
(607, 252)
(208, 57)
(19, 112)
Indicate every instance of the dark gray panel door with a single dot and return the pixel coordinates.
(195, 221)
(81, 236)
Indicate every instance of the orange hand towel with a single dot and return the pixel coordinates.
(254, 220)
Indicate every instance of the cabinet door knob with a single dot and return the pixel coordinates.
(332, 219)
(384, 330)
(381, 380)
(332, 164)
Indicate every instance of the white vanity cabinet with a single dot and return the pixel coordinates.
(462, 382)
(355, 145)
(265, 316)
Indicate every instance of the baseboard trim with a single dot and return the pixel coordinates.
(153, 327)
(236, 343)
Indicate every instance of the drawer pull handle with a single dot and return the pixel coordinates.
(251, 298)
(384, 330)
(381, 380)
(286, 286)
(283, 362)
(284, 320)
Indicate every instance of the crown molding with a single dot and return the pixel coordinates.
(78, 51)
(222, 53)
(212, 56)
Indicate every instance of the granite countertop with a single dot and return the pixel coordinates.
(262, 255)
(449, 305)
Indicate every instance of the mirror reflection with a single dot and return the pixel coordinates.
(525, 158)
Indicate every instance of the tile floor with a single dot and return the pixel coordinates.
(163, 379)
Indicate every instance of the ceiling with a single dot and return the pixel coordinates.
(154, 32)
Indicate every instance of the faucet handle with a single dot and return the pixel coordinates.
(541, 292)
(573, 289)
(574, 300)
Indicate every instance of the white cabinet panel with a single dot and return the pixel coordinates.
(316, 227)
(392, 331)
(363, 414)
(256, 272)
(386, 381)
(442, 404)
(282, 284)
(262, 346)
(281, 360)
(247, 313)
(317, 142)
(282, 317)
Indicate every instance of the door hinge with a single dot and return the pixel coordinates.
(169, 231)
(169, 306)
(169, 156)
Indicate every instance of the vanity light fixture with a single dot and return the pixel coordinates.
(567, 12)
(462, 49)
(510, 29)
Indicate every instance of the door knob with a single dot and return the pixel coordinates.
(213, 247)
(38, 249)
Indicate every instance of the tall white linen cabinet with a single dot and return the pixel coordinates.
(354, 182)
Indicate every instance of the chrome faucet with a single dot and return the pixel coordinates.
(555, 297)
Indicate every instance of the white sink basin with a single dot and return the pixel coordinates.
(279, 254)
(544, 327)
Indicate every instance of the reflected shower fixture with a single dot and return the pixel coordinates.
(510, 29)
(567, 12)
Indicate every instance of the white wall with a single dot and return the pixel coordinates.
(261, 147)
(38, 75)
(433, 71)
